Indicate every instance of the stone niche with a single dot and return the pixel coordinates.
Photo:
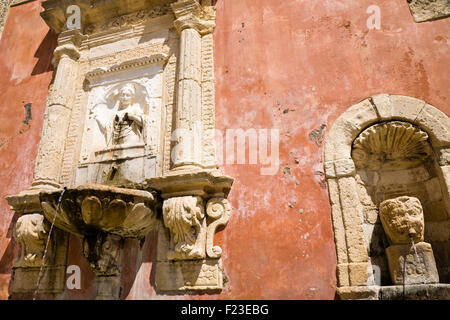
(387, 167)
(127, 147)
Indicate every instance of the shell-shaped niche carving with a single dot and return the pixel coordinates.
(391, 145)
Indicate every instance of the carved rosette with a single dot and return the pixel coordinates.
(391, 145)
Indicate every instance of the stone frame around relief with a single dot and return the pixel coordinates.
(147, 76)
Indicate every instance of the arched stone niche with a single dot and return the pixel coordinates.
(385, 147)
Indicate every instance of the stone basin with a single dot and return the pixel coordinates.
(128, 213)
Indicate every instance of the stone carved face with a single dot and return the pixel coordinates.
(402, 219)
(127, 95)
(31, 234)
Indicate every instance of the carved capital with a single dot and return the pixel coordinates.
(185, 219)
(31, 233)
(191, 15)
(67, 50)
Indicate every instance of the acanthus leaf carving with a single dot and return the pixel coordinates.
(129, 19)
(185, 218)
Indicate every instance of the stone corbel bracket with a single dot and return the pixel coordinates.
(192, 232)
(195, 207)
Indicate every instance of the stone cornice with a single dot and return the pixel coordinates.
(54, 12)
(94, 75)
(202, 183)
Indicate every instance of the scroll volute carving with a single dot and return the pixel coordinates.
(185, 218)
(218, 211)
(191, 230)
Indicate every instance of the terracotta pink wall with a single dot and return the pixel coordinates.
(288, 65)
(295, 66)
(26, 47)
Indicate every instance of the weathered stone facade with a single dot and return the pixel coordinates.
(127, 189)
(109, 158)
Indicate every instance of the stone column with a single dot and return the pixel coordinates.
(187, 152)
(57, 116)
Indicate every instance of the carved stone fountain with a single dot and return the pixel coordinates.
(127, 147)
(411, 260)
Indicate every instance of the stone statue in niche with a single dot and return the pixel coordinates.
(121, 118)
(410, 259)
(126, 126)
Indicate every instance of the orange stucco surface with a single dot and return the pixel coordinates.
(290, 65)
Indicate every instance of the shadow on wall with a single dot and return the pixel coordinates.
(47, 46)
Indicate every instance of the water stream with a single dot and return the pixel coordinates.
(47, 243)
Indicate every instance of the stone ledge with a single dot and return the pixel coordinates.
(188, 183)
(438, 291)
(426, 10)
(358, 293)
